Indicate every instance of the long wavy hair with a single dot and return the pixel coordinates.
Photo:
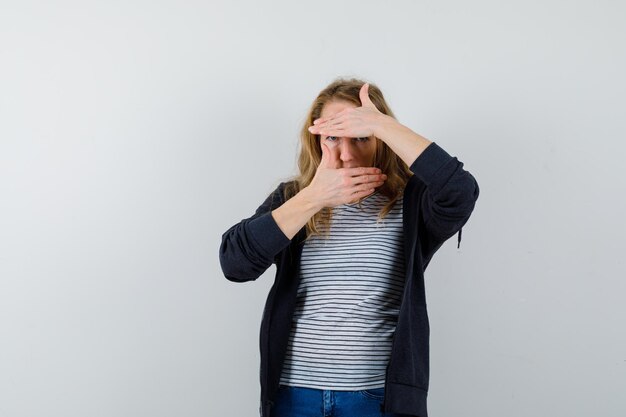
(392, 165)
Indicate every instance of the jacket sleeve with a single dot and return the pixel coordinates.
(450, 194)
(249, 247)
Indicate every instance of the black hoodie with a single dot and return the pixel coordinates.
(438, 201)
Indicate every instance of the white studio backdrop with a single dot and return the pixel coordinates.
(134, 133)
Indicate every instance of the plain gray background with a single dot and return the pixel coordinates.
(134, 133)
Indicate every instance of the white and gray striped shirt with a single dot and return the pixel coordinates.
(348, 300)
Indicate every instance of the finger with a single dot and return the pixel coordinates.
(330, 159)
(336, 132)
(365, 96)
(325, 155)
(362, 192)
(333, 158)
(326, 123)
(355, 172)
(338, 123)
(331, 120)
(375, 180)
(335, 119)
(368, 189)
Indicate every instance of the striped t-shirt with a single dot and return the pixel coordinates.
(348, 300)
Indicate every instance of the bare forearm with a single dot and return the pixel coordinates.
(407, 144)
(295, 213)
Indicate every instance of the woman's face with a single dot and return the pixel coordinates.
(350, 152)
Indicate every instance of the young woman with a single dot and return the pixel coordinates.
(345, 327)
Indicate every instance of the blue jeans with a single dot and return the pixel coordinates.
(310, 402)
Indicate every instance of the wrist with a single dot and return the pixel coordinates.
(384, 125)
(308, 200)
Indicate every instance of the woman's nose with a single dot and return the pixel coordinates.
(346, 152)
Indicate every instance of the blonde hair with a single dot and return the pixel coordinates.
(392, 165)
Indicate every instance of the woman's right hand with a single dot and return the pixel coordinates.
(332, 186)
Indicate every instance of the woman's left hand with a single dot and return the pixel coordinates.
(353, 122)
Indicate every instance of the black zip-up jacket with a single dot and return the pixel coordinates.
(438, 201)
